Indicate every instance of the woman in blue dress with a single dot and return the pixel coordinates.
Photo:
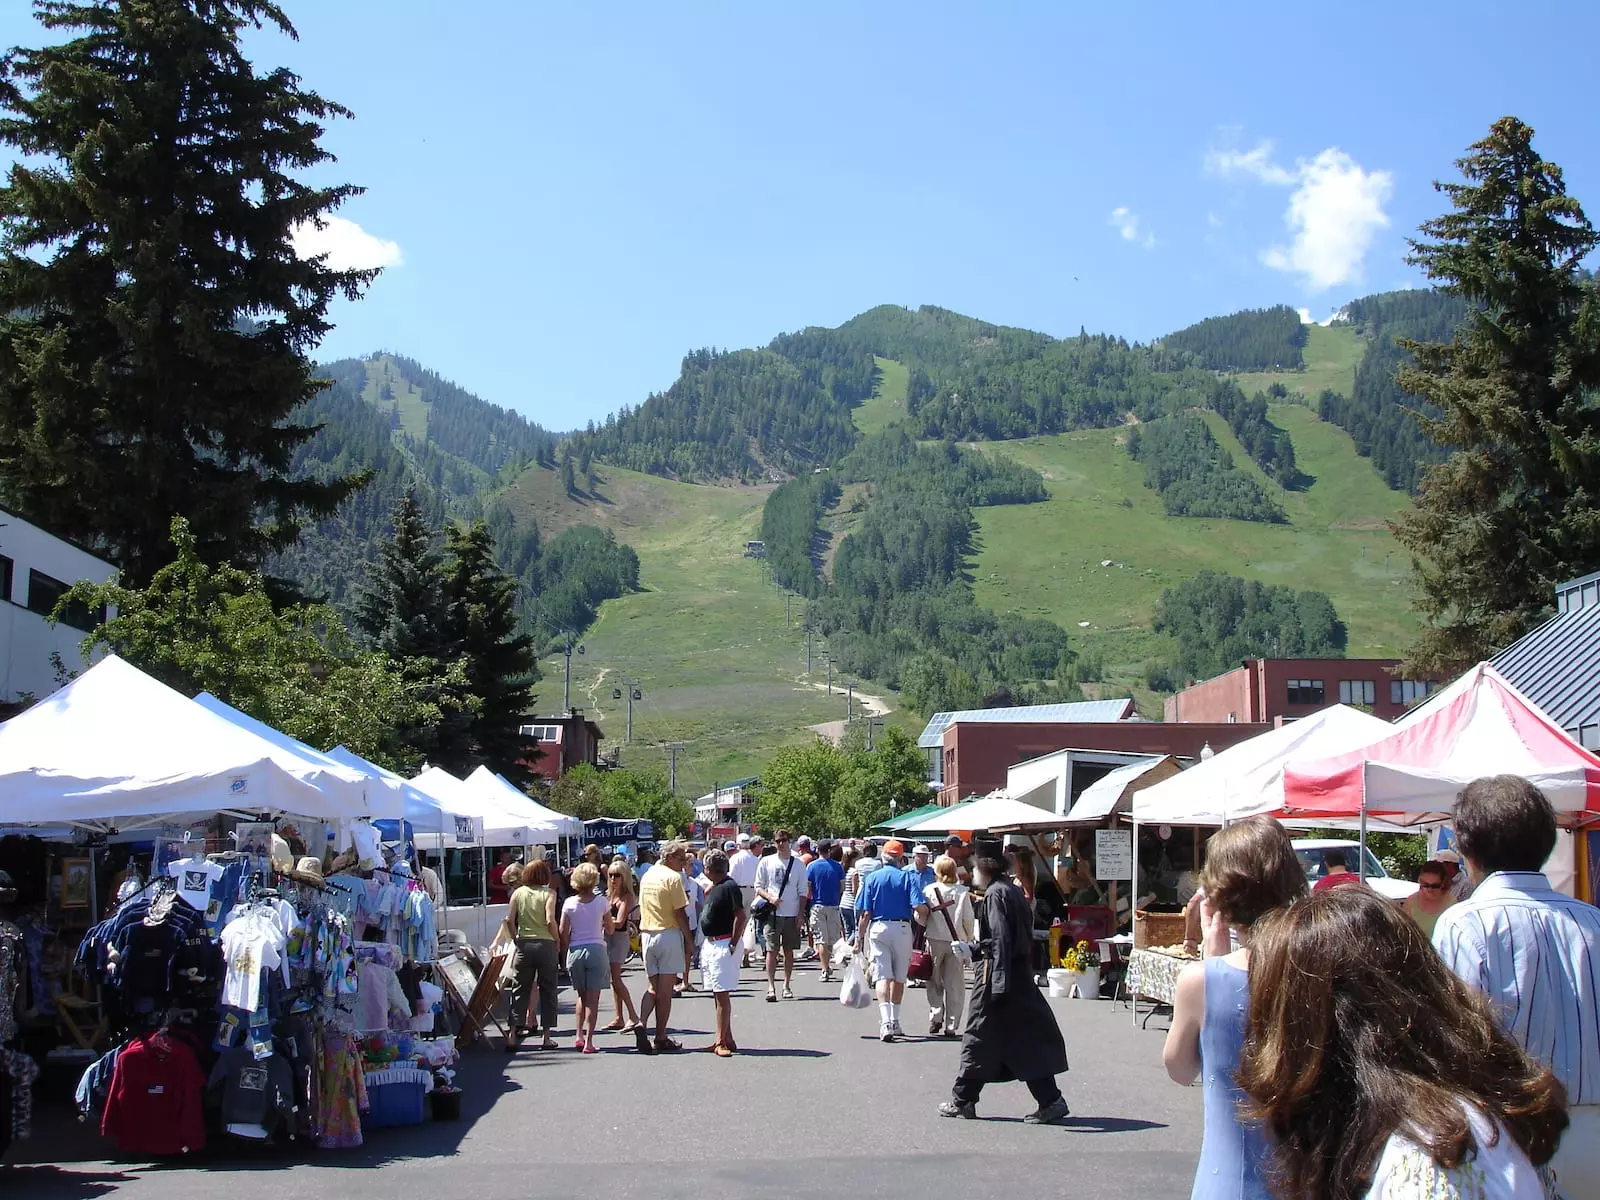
(1250, 870)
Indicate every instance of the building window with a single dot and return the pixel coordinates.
(44, 593)
(5, 577)
(1409, 691)
(541, 733)
(1306, 691)
(1357, 691)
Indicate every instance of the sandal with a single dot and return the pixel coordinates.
(668, 1046)
(512, 1042)
(722, 1051)
(641, 1040)
(616, 1026)
(788, 993)
(772, 997)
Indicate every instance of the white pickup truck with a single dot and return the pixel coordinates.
(1310, 851)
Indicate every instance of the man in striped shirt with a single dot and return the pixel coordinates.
(1534, 952)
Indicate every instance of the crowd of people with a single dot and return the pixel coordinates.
(1347, 1046)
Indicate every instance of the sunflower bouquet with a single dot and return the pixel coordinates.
(1081, 959)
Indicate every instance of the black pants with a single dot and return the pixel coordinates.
(1044, 1089)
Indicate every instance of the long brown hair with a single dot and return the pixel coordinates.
(1358, 1030)
(1251, 869)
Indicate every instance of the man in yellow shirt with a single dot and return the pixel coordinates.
(664, 926)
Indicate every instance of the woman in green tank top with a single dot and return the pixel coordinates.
(531, 921)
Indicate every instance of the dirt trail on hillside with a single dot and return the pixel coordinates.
(873, 706)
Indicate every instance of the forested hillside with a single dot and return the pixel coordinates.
(1258, 339)
(1195, 476)
(1378, 415)
(412, 430)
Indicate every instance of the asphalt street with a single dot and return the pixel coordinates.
(813, 1106)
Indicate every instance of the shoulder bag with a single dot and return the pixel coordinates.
(765, 910)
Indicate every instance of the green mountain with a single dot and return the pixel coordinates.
(925, 569)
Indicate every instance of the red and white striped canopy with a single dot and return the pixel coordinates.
(1480, 725)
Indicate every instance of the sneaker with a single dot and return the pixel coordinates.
(1050, 1114)
(898, 1032)
(933, 1028)
(641, 1040)
(886, 1032)
(966, 1112)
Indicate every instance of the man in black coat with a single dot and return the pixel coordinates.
(1011, 1032)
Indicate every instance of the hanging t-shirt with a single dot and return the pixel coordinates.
(195, 877)
(365, 840)
(252, 944)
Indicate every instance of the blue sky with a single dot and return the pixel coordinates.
(573, 195)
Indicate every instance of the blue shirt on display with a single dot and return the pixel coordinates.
(826, 878)
(889, 894)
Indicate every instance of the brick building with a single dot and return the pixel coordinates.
(974, 756)
(1265, 690)
(564, 742)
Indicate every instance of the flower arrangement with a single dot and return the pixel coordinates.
(1081, 959)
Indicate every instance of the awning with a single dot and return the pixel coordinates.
(1114, 792)
(996, 812)
(902, 820)
(545, 825)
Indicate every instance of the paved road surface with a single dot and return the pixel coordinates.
(849, 1116)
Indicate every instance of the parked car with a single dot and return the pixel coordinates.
(1311, 853)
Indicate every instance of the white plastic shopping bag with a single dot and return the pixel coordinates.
(841, 953)
(855, 993)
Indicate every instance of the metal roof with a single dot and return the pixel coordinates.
(1081, 712)
(901, 820)
(1100, 799)
(1557, 666)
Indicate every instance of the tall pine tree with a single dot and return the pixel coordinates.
(481, 621)
(402, 608)
(154, 316)
(1513, 511)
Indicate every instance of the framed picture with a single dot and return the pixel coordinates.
(75, 882)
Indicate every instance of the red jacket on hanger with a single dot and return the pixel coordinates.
(157, 1093)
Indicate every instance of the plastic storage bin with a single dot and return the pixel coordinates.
(395, 1104)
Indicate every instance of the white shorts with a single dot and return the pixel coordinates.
(889, 950)
(663, 952)
(827, 925)
(719, 965)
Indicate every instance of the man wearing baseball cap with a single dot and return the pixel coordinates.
(888, 903)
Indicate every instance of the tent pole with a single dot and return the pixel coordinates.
(1133, 910)
(1363, 866)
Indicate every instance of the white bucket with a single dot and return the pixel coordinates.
(1060, 982)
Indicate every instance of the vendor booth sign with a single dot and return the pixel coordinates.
(1113, 854)
(604, 829)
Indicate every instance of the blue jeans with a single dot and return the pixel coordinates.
(849, 915)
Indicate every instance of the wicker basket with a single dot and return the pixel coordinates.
(1157, 928)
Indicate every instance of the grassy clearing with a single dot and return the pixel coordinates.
(706, 638)
(404, 398)
(1332, 354)
(1045, 559)
(888, 404)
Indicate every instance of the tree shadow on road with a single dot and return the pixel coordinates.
(50, 1182)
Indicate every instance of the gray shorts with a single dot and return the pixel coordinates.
(589, 968)
(618, 947)
(784, 933)
(663, 952)
(826, 925)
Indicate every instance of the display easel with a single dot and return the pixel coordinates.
(472, 995)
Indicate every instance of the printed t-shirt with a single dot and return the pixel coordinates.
(661, 896)
(195, 877)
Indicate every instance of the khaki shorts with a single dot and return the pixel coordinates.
(889, 948)
(783, 934)
(827, 926)
(663, 952)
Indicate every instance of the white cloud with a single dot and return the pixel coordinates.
(348, 246)
(1335, 210)
(1305, 316)
(1126, 222)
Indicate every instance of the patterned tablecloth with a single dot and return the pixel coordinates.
(1154, 975)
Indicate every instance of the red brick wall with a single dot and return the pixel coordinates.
(1259, 690)
(1216, 700)
(977, 755)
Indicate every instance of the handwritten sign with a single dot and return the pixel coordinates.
(1113, 854)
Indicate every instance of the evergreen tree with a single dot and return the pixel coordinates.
(402, 608)
(154, 317)
(1512, 511)
(482, 629)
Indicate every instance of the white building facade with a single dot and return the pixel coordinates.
(35, 569)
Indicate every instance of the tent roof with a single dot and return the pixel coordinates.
(1102, 797)
(996, 812)
(545, 823)
(116, 744)
(1247, 777)
(901, 820)
(1480, 725)
(404, 801)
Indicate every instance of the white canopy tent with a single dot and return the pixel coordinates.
(404, 801)
(118, 748)
(996, 812)
(544, 825)
(1247, 778)
(381, 800)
